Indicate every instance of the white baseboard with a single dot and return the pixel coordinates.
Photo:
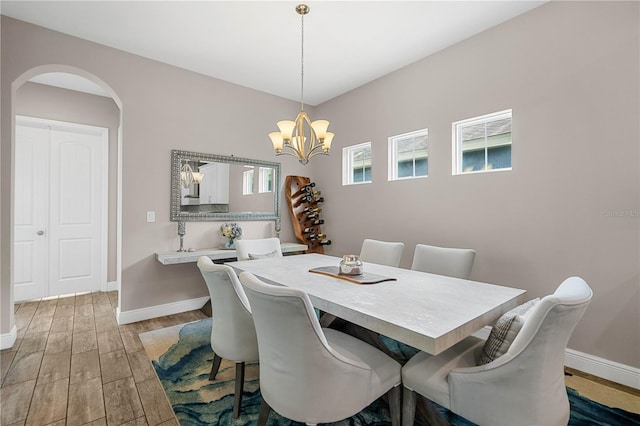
(591, 364)
(113, 286)
(604, 368)
(127, 317)
(8, 339)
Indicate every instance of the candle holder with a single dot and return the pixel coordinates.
(182, 229)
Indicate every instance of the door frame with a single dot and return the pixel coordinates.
(103, 132)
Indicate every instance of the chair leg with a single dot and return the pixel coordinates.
(264, 413)
(395, 404)
(237, 399)
(215, 367)
(408, 407)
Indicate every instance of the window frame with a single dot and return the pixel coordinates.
(393, 155)
(248, 176)
(265, 177)
(347, 163)
(456, 127)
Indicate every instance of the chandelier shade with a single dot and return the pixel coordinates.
(302, 138)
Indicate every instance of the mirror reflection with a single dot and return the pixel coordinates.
(212, 187)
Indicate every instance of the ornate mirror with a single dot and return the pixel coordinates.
(208, 187)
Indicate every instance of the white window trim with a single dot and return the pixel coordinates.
(247, 183)
(393, 163)
(263, 179)
(347, 166)
(456, 154)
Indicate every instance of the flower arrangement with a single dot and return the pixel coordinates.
(232, 232)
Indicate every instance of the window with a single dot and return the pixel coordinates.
(408, 157)
(247, 181)
(482, 143)
(356, 164)
(265, 180)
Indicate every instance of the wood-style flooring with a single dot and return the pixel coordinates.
(73, 365)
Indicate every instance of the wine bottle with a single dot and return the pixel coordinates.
(313, 216)
(317, 222)
(325, 242)
(311, 210)
(302, 200)
(308, 230)
(305, 189)
(316, 200)
(314, 237)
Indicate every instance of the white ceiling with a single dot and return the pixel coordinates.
(257, 43)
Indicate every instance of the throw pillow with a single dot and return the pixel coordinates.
(263, 256)
(504, 331)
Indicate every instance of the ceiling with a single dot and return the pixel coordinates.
(256, 44)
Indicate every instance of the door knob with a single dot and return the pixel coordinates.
(40, 232)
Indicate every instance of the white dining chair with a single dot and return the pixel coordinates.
(310, 374)
(258, 248)
(381, 252)
(453, 262)
(524, 386)
(233, 335)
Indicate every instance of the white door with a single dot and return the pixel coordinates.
(30, 217)
(74, 206)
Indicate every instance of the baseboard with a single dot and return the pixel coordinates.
(604, 368)
(591, 364)
(8, 339)
(127, 317)
(113, 286)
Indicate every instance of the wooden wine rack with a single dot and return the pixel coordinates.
(299, 218)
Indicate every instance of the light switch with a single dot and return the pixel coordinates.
(151, 216)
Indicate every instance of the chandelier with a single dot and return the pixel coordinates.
(188, 176)
(302, 138)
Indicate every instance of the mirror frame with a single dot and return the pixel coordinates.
(177, 156)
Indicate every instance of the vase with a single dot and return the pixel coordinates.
(231, 244)
(351, 265)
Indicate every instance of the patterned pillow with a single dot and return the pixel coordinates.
(504, 331)
(263, 256)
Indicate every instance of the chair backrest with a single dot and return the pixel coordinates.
(300, 374)
(233, 334)
(381, 252)
(527, 382)
(258, 248)
(453, 262)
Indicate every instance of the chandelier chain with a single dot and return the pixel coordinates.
(302, 64)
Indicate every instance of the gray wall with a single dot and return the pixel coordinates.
(569, 70)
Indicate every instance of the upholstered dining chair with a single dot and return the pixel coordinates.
(524, 386)
(453, 262)
(381, 252)
(233, 335)
(258, 248)
(310, 374)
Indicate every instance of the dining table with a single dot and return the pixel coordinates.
(426, 311)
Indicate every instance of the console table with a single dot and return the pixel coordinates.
(174, 257)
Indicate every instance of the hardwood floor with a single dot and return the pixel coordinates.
(72, 364)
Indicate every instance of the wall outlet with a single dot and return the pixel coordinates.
(151, 217)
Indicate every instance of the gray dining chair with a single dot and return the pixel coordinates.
(381, 252)
(524, 386)
(258, 248)
(453, 262)
(233, 334)
(310, 374)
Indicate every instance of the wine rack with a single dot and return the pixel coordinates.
(304, 201)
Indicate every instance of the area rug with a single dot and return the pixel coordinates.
(182, 357)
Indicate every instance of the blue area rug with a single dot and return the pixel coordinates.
(182, 358)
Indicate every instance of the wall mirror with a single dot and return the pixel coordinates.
(208, 187)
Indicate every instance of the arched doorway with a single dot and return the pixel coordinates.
(32, 82)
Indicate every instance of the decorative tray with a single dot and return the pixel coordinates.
(365, 278)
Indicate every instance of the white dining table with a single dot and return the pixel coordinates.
(427, 311)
